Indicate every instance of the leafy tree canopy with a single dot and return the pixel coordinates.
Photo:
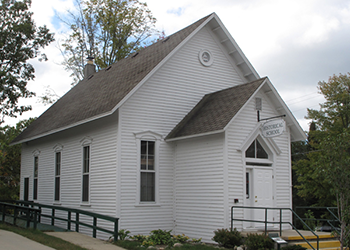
(328, 164)
(20, 40)
(108, 30)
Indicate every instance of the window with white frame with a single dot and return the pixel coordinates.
(148, 166)
(86, 171)
(35, 181)
(147, 171)
(57, 176)
(256, 150)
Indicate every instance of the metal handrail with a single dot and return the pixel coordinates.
(329, 221)
(76, 221)
(31, 214)
(273, 222)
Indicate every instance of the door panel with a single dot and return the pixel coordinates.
(263, 194)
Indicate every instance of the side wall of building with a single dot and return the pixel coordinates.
(158, 106)
(101, 136)
(200, 186)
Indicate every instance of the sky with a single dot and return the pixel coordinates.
(296, 43)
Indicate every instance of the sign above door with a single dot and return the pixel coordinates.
(273, 128)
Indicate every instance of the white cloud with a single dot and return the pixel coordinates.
(296, 43)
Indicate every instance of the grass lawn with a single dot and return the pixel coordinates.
(134, 245)
(41, 237)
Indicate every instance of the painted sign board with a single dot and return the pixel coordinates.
(273, 128)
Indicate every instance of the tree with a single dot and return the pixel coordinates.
(20, 40)
(332, 141)
(107, 30)
(10, 160)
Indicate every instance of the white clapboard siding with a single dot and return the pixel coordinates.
(158, 106)
(103, 174)
(199, 186)
(237, 133)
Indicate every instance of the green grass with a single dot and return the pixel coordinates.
(135, 245)
(41, 237)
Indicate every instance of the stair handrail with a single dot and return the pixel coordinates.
(280, 222)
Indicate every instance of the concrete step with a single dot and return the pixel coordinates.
(323, 244)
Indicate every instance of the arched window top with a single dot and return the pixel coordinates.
(256, 150)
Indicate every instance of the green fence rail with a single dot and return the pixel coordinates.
(76, 221)
(29, 214)
(329, 217)
(280, 222)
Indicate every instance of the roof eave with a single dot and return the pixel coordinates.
(62, 128)
(195, 135)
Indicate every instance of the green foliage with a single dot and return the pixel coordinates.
(294, 247)
(10, 161)
(181, 238)
(258, 242)
(327, 166)
(309, 215)
(138, 237)
(227, 238)
(108, 30)
(123, 234)
(161, 237)
(20, 40)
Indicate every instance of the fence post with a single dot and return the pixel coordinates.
(265, 221)
(28, 218)
(35, 219)
(280, 222)
(94, 228)
(14, 216)
(53, 217)
(77, 222)
(3, 212)
(116, 230)
(69, 220)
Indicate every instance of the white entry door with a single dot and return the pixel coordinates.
(262, 194)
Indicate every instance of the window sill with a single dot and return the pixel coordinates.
(57, 203)
(147, 205)
(85, 204)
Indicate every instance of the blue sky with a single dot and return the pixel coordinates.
(295, 43)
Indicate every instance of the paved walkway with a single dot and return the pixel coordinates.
(84, 241)
(12, 241)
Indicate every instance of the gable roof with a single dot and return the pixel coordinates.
(215, 111)
(99, 95)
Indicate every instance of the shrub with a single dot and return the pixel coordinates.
(294, 247)
(161, 237)
(228, 238)
(123, 234)
(258, 242)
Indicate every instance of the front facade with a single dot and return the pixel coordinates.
(177, 147)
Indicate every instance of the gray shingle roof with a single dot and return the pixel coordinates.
(215, 110)
(100, 94)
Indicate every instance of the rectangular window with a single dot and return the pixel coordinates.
(36, 169)
(147, 171)
(57, 176)
(86, 170)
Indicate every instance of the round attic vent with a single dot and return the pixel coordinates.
(205, 57)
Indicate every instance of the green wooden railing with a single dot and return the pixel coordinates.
(76, 221)
(29, 214)
(280, 222)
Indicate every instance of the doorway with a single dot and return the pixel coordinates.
(259, 193)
